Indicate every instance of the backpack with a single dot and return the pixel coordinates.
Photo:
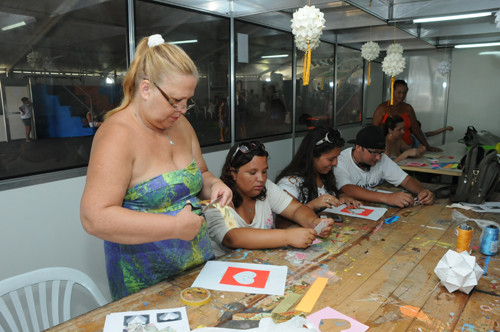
(480, 176)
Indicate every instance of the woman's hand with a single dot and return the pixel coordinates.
(349, 201)
(219, 188)
(421, 149)
(434, 149)
(189, 224)
(299, 237)
(324, 201)
(325, 232)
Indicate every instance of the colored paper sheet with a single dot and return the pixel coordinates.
(309, 300)
(366, 212)
(243, 277)
(328, 313)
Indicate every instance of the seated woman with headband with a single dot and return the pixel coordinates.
(309, 176)
(248, 221)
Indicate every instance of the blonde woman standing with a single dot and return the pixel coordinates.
(146, 173)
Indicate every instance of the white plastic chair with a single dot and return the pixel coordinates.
(18, 291)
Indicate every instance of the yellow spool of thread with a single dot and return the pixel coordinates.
(464, 238)
(498, 147)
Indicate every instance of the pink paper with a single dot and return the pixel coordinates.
(329, 313)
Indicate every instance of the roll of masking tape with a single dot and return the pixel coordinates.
(195, 296)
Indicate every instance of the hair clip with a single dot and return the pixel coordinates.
(155, 40)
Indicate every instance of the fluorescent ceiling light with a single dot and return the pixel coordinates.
(450, 18)
(13, 26)
(188, 41)
(109, 80)
(274, 56)
(490, 53)
(477, 45)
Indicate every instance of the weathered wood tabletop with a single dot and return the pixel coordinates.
(379, 274)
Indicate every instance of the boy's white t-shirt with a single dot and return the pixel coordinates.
(347, 172)
(275, 202)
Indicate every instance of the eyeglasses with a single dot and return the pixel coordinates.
(324, 140)
(189, 104)
(243, 148)
(374, 153)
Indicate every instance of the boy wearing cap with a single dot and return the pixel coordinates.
(366, 166)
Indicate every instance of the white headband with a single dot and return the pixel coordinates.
(155, 40)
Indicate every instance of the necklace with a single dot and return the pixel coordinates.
(161, 133)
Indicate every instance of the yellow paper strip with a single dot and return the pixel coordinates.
(309, 300)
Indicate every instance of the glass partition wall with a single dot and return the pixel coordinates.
(70, 60)
(315, 102)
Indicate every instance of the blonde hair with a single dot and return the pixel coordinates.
(153, 63)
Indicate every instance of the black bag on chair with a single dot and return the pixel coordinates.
(480, 176)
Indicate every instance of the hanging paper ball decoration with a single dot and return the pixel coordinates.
(395, 48)
(307, 26)
(393, 64)
(444, 67)
(370, 51)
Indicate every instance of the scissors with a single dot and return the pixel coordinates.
(204, 208)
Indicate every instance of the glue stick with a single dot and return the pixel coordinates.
(464, 238)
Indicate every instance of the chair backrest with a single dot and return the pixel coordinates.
(18, 303)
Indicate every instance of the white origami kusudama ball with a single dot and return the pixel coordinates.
(395, 48)
(370, 50)
(307, 26)
(393, 64)
(444, 67)
(458, 271)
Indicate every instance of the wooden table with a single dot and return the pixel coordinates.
(435, 162)
(375, 274)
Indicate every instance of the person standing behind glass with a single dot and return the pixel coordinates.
(405, 111)
(146, 173)
(26, 109)
(241, 108)
(309, 177)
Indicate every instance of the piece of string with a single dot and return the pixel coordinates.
(376, 297)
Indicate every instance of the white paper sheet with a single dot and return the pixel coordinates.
(243, 277)
(175, 318)
(366, 212)
(492, 207)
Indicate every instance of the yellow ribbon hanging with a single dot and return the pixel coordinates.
(369, 71)
(307, 66)
(392, 90)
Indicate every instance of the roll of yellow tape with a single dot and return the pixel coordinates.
(195, 296)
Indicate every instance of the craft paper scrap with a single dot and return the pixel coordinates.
(288, 301)
(320, 226)
(326, 314)
(164, 319)
(366, 212)
(309, 300)
(243, 277)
